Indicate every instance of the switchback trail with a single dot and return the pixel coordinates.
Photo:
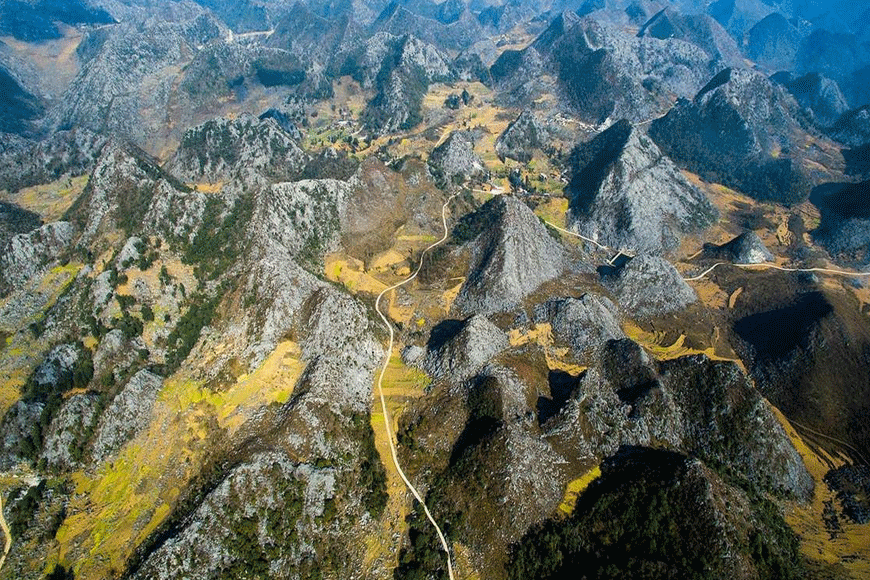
(387, 421)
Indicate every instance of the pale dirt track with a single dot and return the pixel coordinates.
(389, 352)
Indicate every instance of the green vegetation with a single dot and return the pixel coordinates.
(373, 477)
(422, 558)
(219, 241)
(185, 334)
(51, 396)
(648, 519)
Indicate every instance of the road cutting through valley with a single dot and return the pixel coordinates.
(389, 353)
(616, 254)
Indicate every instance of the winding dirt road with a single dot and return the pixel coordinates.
(387, 422)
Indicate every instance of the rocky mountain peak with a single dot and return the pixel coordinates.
(649, 286)
(736, 130)
(626, 194)
(512, 255)
(747, 248)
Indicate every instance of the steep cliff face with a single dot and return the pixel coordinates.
(626, 194)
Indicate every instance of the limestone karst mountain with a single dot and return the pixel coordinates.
(624, 193)
(282, 284)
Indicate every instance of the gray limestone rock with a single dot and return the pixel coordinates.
(269, 487)
(513, 253)
(339, 335)
(27, 254)
(708, 409)
(521, 138)
(584, 323)
(626, 194)
(241, 148)
(747, 248)
(648, 286)
(741, 130)
(455, 157)
(127, 415)
(16, 445)
(464, 353)
(70, 431)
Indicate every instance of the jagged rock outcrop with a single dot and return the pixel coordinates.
(602, 73)
(747, 248)
(116, 352)
(512, 254)
(448, 29)
(773, 42)
(70, 431)
(241, 148)
(522, 137)
(126, 78)
(648, 286)
(705, 408)
(455, 158)
(338, 334)
(219, 536)
(699, 29)
(127, 415)
(400, 69)
(736, 130)
(584, 323)
(22, 425)
(16, 445)
(459, 356)
(852, 128)
(128, 190)
(624, 193)
(500, 455)
(27, 254)
(817, 94)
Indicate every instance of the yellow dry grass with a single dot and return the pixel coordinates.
(350, 273)
(850, 547)
(401, 385)
(51, 200)
(653, 342)
(576, 488)
(207, 187)
(542, 335)
(22, 351)
(448, 297)
(125, 499)
(553, 210)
